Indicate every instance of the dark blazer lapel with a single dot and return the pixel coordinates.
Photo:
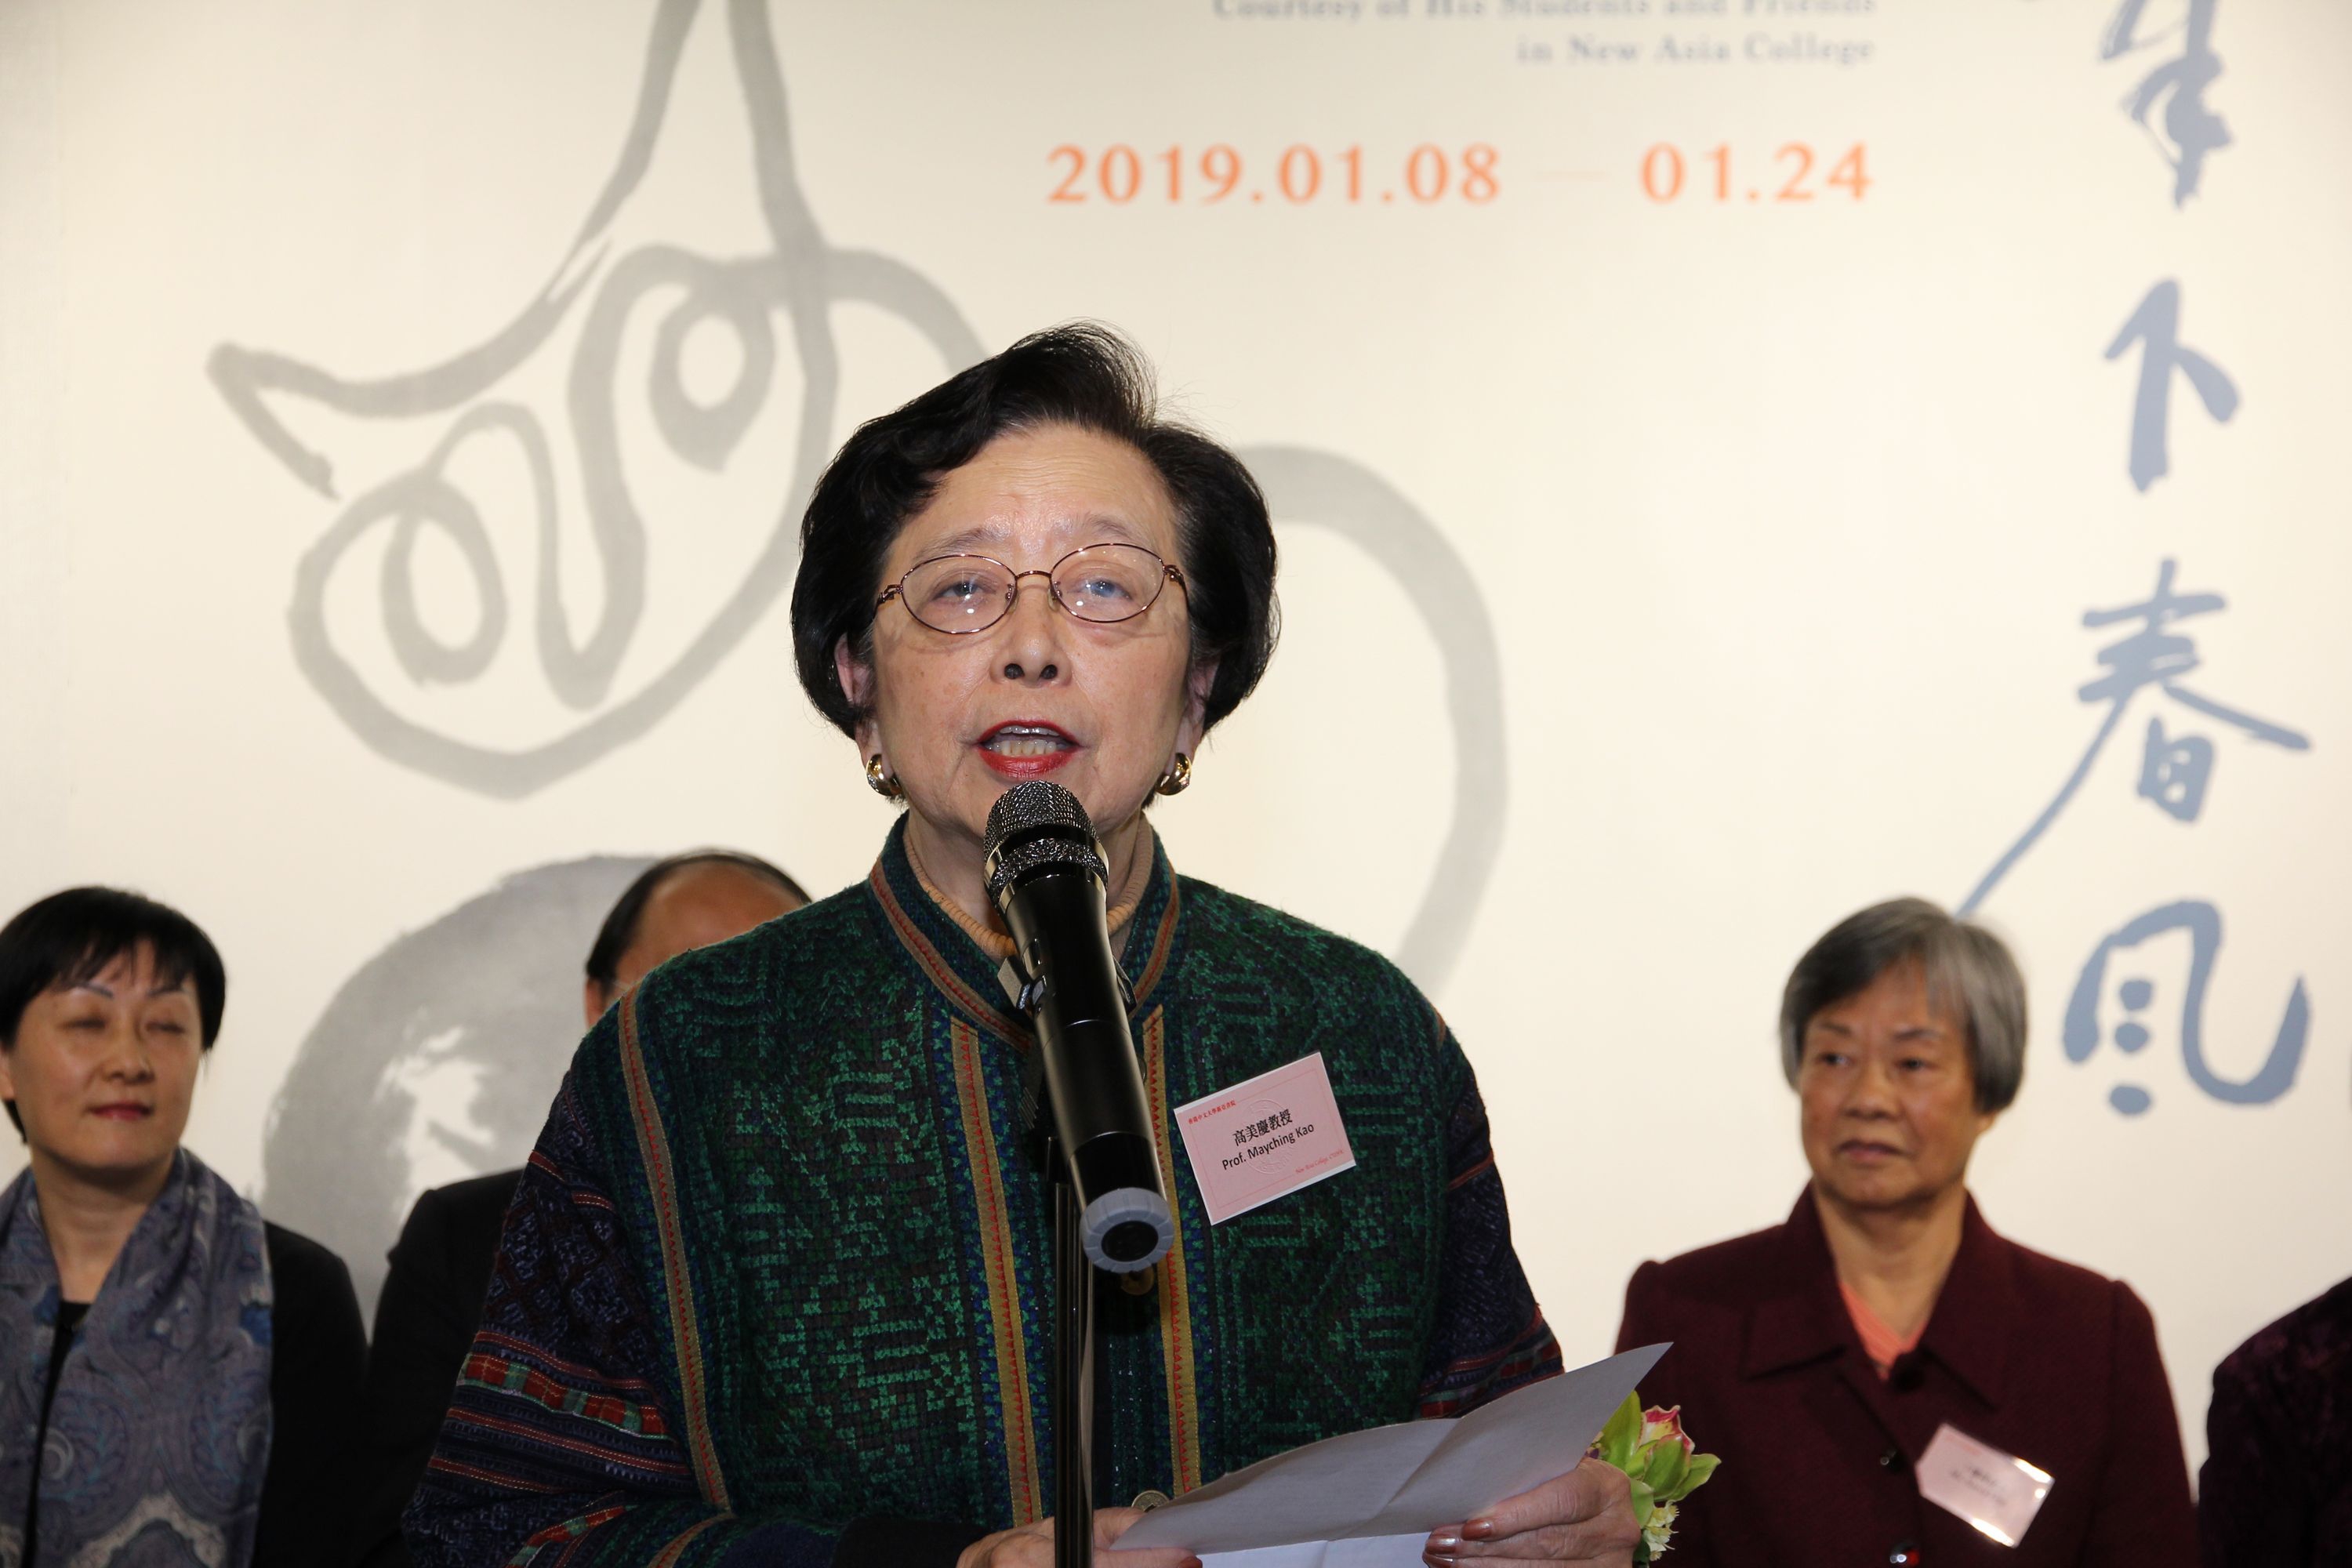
(1968, 1329)
(1800, 1319)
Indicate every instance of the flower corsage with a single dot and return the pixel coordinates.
(1652, 1449)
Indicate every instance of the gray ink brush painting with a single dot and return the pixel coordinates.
(480, 1009)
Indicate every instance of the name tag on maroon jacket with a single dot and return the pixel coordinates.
(1265, 1139)
(1999, 1493)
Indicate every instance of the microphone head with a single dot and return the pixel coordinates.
(1040, 803)
(1036, 825)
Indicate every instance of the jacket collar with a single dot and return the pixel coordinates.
(1802, 1318)
(955, 965)
(1969, 1329)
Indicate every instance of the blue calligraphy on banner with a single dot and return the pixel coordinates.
(2202, 921)
(2156, 326)
(2175, 775)
(2176, 769)
(2174, 772)
(2188, 132)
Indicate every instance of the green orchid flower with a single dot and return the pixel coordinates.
(1661, 1463)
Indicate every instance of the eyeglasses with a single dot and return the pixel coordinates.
(1101, 584)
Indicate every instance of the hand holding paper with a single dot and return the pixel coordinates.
(1585, 1516)
(1369, 1500)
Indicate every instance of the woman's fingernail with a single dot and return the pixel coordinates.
(1439, 1559)
(1444, 1543)
(1479, 1529)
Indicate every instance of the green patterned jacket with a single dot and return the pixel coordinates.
(778, 1277)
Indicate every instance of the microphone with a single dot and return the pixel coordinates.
(1046, 874)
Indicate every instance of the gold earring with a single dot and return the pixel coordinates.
(1178, 776)
(881, 781)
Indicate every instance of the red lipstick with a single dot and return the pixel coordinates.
(1026, 747)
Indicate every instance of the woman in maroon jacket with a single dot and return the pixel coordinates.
(1824, 1358)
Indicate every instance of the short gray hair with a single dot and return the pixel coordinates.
(1968, 968)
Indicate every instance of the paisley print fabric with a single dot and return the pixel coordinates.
(159, 1432)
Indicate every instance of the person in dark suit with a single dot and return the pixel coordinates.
(1823, 1358)
(2276, 1489)
(432, 1299)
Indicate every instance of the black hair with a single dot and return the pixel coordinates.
(1082, 374)
(619, 931)
(68, 937)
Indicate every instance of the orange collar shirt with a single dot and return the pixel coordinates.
(1881, 1345)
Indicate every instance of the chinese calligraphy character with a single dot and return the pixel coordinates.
(2157, 325)
(2174, 772)
(2190, 131)
(2202, 921)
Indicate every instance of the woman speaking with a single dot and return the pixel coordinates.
(776, 1286)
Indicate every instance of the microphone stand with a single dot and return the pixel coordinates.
(1074, 1315)
(1045, 872)
(1074, 1357)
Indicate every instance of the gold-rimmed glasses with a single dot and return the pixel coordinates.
(1101, 584)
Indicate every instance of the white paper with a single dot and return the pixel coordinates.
(1369, 1499)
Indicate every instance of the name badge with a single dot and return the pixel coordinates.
(1999, 1493)
(1265, 1139)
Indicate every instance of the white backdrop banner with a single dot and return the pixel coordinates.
(1735, 460)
